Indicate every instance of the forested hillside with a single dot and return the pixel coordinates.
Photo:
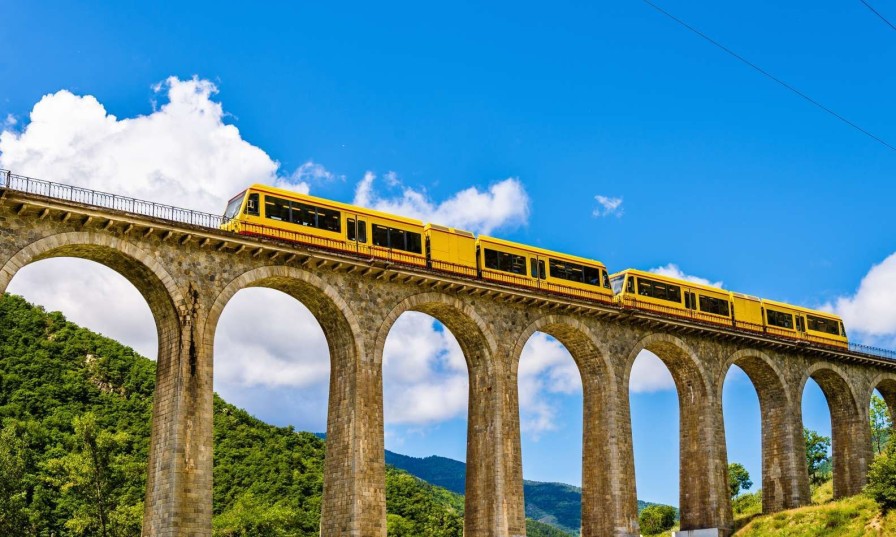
(75, 412)
(75, 409)
(555, 504)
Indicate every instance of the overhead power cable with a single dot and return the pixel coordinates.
(876, 12)
(771, 76)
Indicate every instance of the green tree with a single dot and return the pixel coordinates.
(738, 479)
(13, 521)
(817, 457)
(881, 424)
(657, 519)
(90, 475)
(882, 479)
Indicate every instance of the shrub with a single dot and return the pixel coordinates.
(882, 480)
(657, 519)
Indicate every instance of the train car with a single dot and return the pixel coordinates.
(273, 212)
(450, 249)
(518, 264)
(671, 296)
(802, 323)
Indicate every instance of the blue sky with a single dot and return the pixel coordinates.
(719, 170)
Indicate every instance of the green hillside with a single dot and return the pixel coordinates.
(75, 410)
(555, 504)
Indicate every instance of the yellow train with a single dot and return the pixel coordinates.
(282, 214)
(649, 291)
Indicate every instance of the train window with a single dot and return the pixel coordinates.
(541, 272)
(842, 329)
(505, 262)
(276, 208)
(234, 206)
(252, 204)
(663, 291)
(534, 264)
(592, 276)
(413, 243)
(718, 306)
(303, 214)
(820, 324)
(630, 286)
(352, 228)
(616, 283)
(362, 231)
(574, 272)
(779, 319)
(398, 239)
(606, 280)
(329, 220)
(380, 235)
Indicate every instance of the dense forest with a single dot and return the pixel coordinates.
(75, 412)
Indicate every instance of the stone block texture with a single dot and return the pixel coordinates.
(187, 276)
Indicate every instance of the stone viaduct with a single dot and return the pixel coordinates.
(187, 272)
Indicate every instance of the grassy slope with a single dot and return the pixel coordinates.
(850, 517)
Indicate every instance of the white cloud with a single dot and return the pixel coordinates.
(650, 374)
(10, 121)
(547, 373)
(425, 376)
(312, 171)
(871, 311)
(91, 295)
(671, 270)
(267, 338)
(503, 205)
(181, 154)
(607, 206)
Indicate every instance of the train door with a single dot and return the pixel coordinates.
(800, 326)
(690, 302)
(536, 269)
(356, 232)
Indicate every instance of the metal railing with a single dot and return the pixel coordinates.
(95, 198)
(46, 189)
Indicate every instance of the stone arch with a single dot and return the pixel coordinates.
(493, 497)
(850, 433)
(337, 320)
(354, 467)
(138, 266)
(885, 383)
(783, 477)
(703, 476)
(174, 465)
(606, 509)
(472, 333)
(691, 378)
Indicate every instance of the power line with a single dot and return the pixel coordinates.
(769, 75)
(890, 24)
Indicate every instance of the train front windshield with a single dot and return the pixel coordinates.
(234, 207)
(617, 284)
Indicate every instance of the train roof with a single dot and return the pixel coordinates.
(542, 251)
(291, 194)
(661, 277)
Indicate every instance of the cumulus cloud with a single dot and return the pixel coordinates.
(607, 206)
(424, 372)
(267, 345)
(870, 312)
(312, 171)
(673, 271)
(650, 374)
(547, 373)
(504, 204)
(91, 295)
(181, 154)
